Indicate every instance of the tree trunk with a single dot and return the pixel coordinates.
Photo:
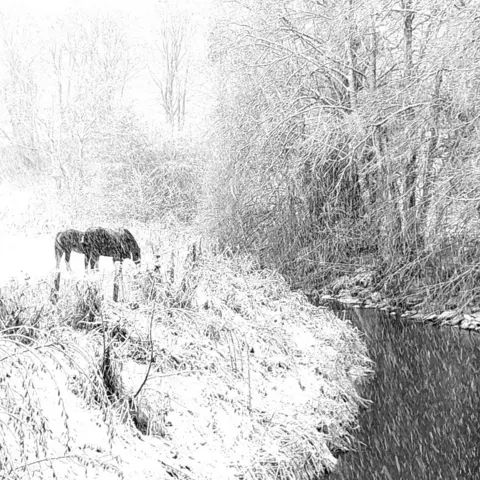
(432, 147)
(410, 229)
(352, 48)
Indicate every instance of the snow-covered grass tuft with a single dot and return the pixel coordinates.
(242, 375)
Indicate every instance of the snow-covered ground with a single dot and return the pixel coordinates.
(22, 256)
(33, 258)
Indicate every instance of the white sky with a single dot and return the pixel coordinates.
(130, 6)
(142, 10)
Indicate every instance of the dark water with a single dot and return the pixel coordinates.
(424, 422)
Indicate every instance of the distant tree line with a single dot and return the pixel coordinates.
(65, 113)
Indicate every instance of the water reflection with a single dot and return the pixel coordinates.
(424, 422)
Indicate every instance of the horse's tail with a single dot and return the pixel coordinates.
(133, 246)
(58, 249)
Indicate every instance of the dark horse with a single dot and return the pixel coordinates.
(94, 242)
(119, 244)
(66, 242)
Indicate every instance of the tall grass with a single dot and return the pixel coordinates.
(40, 356)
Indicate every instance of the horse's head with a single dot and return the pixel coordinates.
(130, 246)
(136, 256)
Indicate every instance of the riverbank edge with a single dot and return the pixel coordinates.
(355, 291)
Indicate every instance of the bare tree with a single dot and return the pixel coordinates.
(20, 92)
(171, 62)
(91, 62)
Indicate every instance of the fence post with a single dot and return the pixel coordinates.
(116, 280)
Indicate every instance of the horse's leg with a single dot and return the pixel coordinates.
(97, 263)
(67, 260)
(86, 260)
(58, 258)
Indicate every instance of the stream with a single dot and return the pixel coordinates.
(424, 419)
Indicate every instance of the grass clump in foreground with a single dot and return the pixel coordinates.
(50, 387)
(224, 370)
